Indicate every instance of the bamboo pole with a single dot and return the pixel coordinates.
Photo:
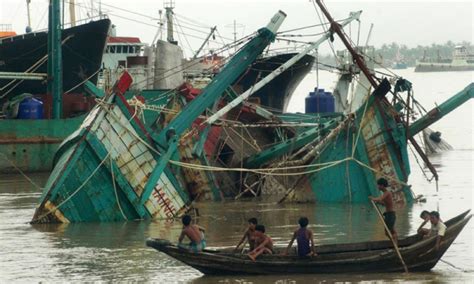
(390, 236)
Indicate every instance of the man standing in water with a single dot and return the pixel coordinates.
(386, 200)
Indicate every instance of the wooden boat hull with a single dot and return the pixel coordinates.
(101, 171)
(379, 256)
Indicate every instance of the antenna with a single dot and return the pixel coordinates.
(235, 25)
(169, 5)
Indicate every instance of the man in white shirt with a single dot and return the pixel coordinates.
(438, 228)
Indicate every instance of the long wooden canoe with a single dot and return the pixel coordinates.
(419, 254)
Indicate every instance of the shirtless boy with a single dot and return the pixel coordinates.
(194, 233)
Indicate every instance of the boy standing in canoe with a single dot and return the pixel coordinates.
(304, 239)
(263, 243)
(195, 233)
(386, 200)
(249, 234)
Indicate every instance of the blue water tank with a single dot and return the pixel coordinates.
(319, 101)
(30, 108)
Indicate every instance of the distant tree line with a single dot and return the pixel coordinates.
(388, 53)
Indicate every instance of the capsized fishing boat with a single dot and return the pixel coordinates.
(212, 143)
(369, 142)
(418, 253)
(113, 168)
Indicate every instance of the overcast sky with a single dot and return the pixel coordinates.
(407, 22)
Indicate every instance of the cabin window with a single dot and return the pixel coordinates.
(112, 49)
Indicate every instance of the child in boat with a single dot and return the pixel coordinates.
(195, 233)
(424, 228)
(304, 239)
(249, 235)
(263, 243)
(438, 228)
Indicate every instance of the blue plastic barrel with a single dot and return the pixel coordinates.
(319, 101)
(30, 108)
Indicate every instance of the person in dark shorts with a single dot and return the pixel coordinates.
(386, 199)
(304, 239)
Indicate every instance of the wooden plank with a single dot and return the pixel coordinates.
(122, 183)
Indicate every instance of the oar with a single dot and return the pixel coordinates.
(390, 236)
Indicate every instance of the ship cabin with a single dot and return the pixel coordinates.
(461, 53)
(119, 48)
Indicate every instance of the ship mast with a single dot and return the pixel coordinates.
(28, 28)
(55, 78)
(72, 12)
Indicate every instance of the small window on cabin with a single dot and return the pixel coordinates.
(112, 49)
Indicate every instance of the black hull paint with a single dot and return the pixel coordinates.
(82, 56)
(277, 93)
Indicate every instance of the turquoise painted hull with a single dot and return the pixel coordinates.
(29, 145)
(349, 181)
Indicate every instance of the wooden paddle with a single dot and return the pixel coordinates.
(390, 236)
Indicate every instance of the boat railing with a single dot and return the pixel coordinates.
(283, 50)
(85, 20)
(65, 26)
(5, 27)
